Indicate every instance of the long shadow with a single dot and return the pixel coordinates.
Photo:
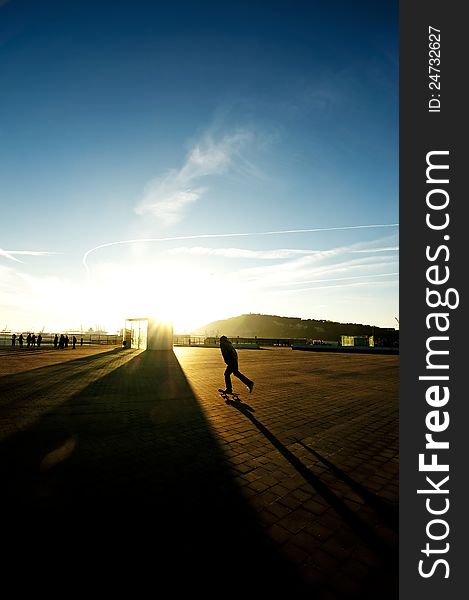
(234, 400)
(45, 374)
(387, 549)
(124, 489)
(389, 512)
(62, 366)
(30, 384)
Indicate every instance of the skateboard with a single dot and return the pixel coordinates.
(226, 395)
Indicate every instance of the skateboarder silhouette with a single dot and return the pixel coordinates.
(230, 356)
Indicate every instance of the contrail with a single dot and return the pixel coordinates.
(9, 253)
(227, 235)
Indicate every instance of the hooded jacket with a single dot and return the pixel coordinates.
(230, 356)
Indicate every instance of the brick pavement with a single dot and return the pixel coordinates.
(128, 469)
(16, 360)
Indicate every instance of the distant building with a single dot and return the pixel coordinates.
(357, 340)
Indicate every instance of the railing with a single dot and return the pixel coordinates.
(86, 339)
(188, 340)
(91, 339)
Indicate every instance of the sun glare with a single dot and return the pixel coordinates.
(185, 296)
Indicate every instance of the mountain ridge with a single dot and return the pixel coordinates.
(274, 326)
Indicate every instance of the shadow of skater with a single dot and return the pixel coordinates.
(123, 486)
(385, 548)
(389, 512)
(237, 403)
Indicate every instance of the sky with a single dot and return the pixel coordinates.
(198, 160)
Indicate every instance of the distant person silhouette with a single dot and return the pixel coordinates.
(28, 340)
(13, 339)
(56, 341)
(20, 340)
(74, 342)
(230, 356)
(39, 340)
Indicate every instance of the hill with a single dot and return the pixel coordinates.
(272, 326)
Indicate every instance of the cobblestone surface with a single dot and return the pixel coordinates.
(130, 468)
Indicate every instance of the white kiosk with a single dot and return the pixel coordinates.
(146, 333)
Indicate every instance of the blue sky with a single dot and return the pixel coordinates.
(181, 124)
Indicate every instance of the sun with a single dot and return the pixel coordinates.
(185, 295)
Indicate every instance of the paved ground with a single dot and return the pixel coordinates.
(125, 471)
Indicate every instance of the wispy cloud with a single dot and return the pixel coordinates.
(385, 249)
(230, 235)
(277, 254)
(360, 263)
(351, 282)
(309, 269)
(168, 196)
